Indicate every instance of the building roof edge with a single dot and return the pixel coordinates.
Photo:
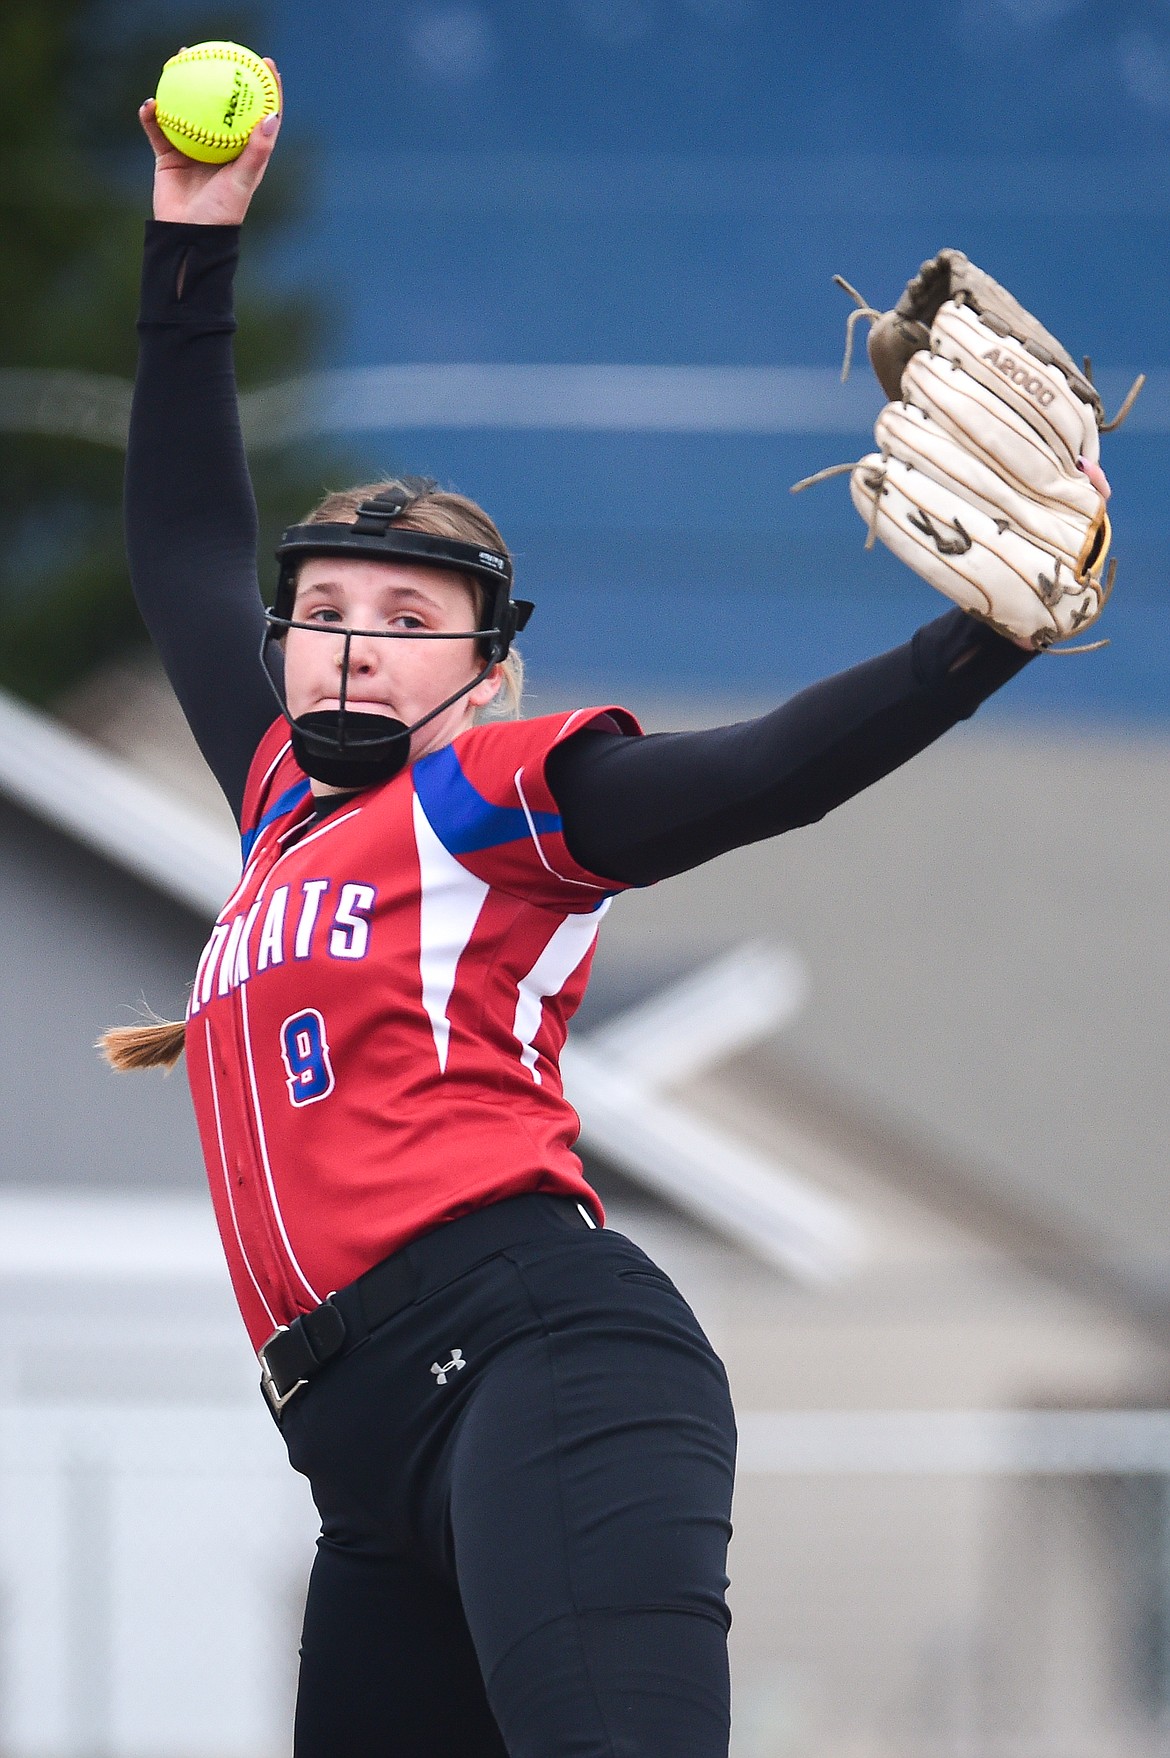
(104, 804)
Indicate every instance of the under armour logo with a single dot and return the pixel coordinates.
(455, 1365)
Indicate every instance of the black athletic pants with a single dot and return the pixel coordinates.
(524, 1480)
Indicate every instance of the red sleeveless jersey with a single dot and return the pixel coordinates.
(373, 1033)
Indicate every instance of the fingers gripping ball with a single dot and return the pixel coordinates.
(210, 98)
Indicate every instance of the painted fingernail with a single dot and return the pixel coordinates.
(271, 123)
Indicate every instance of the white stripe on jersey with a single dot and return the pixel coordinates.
(227, 1183)
(548, 976)
(271, 770)
(534, 834)
(262, 1138)
(450, 899)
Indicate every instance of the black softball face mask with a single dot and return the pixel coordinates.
(345, 747)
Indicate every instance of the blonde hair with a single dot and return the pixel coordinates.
(154, 1043)
(439, 512)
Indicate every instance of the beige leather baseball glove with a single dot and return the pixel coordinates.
(978, 483)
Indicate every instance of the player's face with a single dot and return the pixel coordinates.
(405, 679)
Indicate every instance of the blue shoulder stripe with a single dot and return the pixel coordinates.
(289, 799)
(460, 817)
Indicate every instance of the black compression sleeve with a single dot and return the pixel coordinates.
(190, 514)
(638, 810)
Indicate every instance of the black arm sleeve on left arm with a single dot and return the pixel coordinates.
(638, 810)
(190, 515)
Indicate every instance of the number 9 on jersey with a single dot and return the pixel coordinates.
(305, 1050)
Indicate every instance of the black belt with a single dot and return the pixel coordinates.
(295, 1353)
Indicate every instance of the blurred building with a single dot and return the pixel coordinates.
(952, 1521)
(579, 261)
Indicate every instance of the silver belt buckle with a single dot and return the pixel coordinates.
(268, 1384)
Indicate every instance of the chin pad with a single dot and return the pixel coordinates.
(347, 749)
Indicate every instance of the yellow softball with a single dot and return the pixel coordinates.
(210, 98)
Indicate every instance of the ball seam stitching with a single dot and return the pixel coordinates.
(208, 136)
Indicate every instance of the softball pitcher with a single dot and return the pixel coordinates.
(519, 1439)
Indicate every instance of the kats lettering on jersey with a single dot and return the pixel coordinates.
(375, 1024)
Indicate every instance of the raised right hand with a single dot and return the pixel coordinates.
(208, 195)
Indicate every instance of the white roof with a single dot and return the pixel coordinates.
(110, 807)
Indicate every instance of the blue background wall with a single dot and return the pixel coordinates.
(675, 181)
